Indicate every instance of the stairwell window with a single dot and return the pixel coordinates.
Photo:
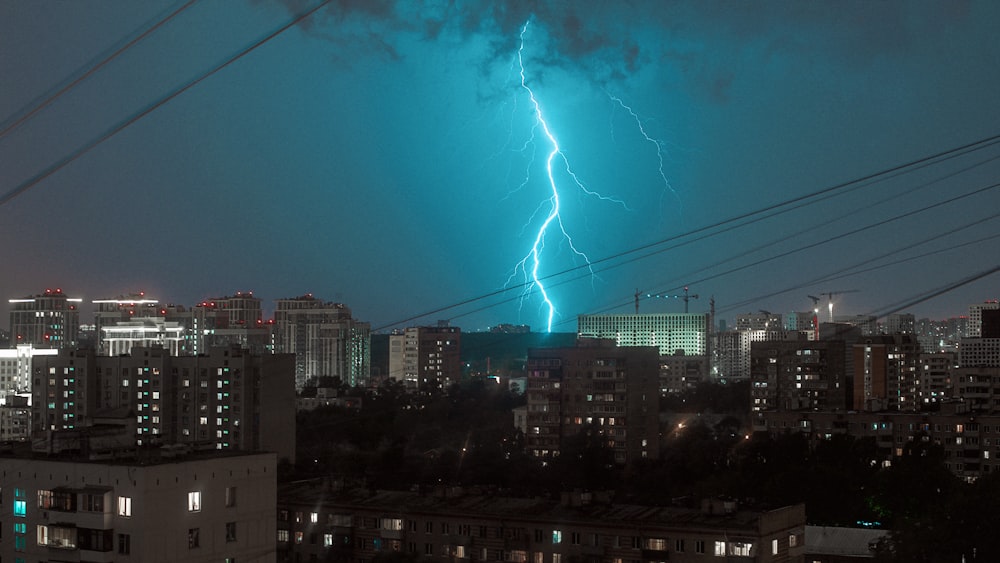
(194, 501)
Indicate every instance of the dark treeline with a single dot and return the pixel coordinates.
(465, 436)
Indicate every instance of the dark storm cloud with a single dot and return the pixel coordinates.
(611, 41)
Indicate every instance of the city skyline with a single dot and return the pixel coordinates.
(381, 155)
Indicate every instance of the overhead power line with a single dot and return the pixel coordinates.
(743, 220)
(48, 100)
(87, 147)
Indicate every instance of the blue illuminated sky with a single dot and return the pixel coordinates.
(381, 154)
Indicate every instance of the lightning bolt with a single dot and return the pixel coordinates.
(654, 141)
(531, 264)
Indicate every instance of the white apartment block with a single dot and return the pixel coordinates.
(669, 332)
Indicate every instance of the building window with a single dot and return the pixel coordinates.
(194, 501)
(679, 546)
(740, 549)
(125, 506)
(230, 531)
(93, 502)
(656, 544)
(282, 535)
(230, 496)
(792, 540)
(20, 508)
(56, 536)
(699, 546)
(298, 537)
(313, 517)
(556, 536)
(720, 548)
(124, 544)
(556, 558)
(327, 540)
(774, 547)
(192, 538)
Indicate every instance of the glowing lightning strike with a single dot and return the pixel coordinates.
(534, 256)
(656, 142)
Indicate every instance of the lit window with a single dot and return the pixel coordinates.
(327, 540)
(282, 535)
(194, 501)
(792, 540)
(298, 537)
(314, 517)
(20, 508)
(556, 536)
(774, 547)
(720, 548)
(740, 549)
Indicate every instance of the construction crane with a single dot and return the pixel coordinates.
(830, 294)
(686, 297)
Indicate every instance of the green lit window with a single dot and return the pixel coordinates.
(20, 508)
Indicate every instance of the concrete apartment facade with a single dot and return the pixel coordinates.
(229, 399)
(614, 389)
(317, 523)
(192, 508)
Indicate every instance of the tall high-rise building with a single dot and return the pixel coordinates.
(122, 309)
(599, 385)
(426, 355)
(899, 323)
(668, 332)
(233, 320)
(46, 320)
(325, 338)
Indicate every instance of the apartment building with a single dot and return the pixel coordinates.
(46, 320)
(217, 508)
(798, 374)
(970, 440)
(668, 332)
(229, 399)
(320, 523)
(615, 389)
(426, 355)
(325, 338)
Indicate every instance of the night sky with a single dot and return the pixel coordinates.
(388, 156)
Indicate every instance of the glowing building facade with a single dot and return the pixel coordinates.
(668, 332)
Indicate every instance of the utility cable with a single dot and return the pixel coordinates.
(47, 101)
(55, 167)
(963, 149)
